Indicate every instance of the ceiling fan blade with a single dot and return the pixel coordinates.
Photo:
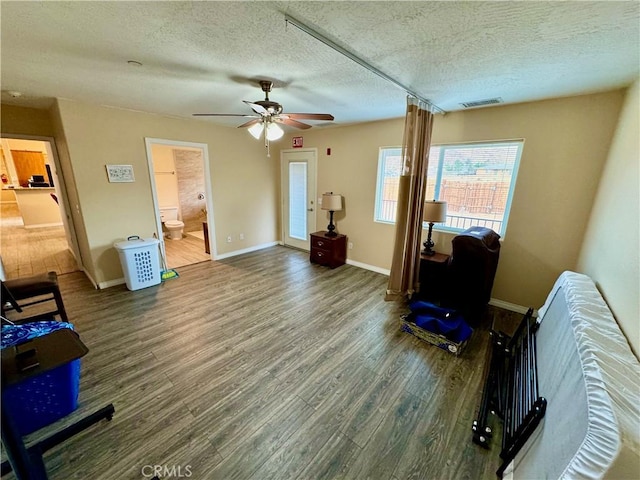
(291, 123)
(257, 108)
(222, 115)
(309, 116)
(251, 122)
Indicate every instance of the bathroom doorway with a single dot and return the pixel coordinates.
(181, 188)
(38, 235)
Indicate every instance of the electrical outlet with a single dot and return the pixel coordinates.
(242, 236)
(350, 245)
(229, 239)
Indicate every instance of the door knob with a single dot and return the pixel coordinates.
(309, 209)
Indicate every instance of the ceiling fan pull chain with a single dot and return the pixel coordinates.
(266, 140)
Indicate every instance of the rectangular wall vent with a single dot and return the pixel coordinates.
(482, 103)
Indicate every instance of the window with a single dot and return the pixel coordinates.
(476, 180)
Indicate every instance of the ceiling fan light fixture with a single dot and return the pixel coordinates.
(274, 132)
(256, 130)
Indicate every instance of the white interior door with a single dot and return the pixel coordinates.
(298, 196)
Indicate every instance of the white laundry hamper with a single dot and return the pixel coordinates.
(140, 261)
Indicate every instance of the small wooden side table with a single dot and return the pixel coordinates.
(329, 251)
(433, 276)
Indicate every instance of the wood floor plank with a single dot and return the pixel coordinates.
(31, 251)
(437, 431)
(254, 450)
(381, 455)
(333, 459)
(265, 366)
(365, 415)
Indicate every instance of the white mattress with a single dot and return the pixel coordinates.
(591, 381)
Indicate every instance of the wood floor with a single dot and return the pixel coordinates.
(263, 366)
(187, 251)
(27, 252)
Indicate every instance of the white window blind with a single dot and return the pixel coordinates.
(476, 180)
(298, 200)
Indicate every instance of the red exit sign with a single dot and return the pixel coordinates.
(296, 142)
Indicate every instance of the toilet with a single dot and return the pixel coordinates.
(169, 217)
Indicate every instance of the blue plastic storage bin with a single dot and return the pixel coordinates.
(46, 398)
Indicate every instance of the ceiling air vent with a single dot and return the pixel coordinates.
(482, 103)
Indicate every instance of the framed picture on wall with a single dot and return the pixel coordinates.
(120, 173)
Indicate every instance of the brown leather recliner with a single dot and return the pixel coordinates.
(471, 271)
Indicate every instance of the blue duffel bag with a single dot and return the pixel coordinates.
(439, 320)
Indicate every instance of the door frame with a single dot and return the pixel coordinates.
(284, 176)
(61, 189)
(149, 141)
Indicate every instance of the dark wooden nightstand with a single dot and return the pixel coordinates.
(329, 251)
(433, 276)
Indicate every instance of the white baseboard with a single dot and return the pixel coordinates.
(120, 281)
(245, 250)
(109, 283)
(366, 266)
(41, 225)
(512, 307)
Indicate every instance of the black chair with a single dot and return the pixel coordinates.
(33, 290)
(472, 269)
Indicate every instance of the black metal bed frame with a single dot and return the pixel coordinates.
(511, 391)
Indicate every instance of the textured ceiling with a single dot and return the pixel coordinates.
(208, 56)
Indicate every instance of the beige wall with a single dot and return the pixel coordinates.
(243, 180)
(34, 122)
(166, 184)
(25, 121)
(7, 196)
(73, 201)
(610, 251)
(351, 171)
(566, 145)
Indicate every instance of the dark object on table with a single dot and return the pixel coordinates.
(472, 269)
(328, 250)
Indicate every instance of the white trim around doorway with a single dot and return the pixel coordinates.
(207, 182)
(63, 195)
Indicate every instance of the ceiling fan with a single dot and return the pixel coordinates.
(267, 116)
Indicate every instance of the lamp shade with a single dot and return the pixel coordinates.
(434, 211)
(332, 201)
(274, 132)
(256, 130)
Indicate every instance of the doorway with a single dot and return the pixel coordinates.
(37, 233)
(298, 174)
(181, 189)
